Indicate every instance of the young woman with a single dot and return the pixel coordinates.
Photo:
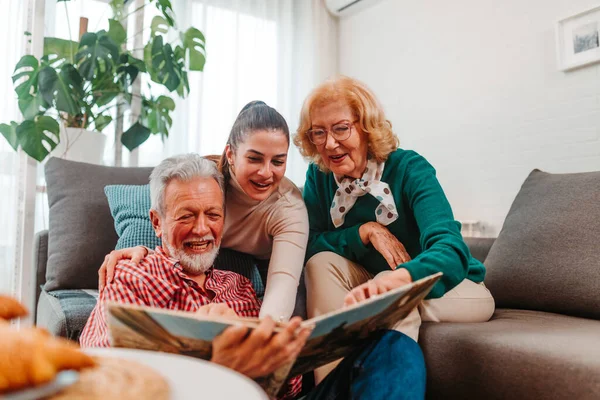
(265, 214)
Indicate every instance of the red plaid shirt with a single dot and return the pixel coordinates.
(159, 281)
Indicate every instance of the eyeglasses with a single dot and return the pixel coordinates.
(339, 132)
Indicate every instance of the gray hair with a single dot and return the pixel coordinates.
(184, 167)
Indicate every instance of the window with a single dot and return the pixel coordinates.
(12, 28)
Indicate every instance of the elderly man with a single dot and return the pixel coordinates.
(187, 213)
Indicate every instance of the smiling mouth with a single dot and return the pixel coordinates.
(198, 246)
(337, 158)
(261, 186)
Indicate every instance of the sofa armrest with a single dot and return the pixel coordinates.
(40, 259)
(65, 312)
(479, 247)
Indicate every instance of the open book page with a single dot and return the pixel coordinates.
(337, 334)
(334, 336)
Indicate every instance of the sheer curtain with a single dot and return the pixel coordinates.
(270, 50)
(12, 47)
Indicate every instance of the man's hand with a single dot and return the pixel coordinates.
(383, 282)
(106, 273)
(216, 310)
(384, 242)
(262, 351)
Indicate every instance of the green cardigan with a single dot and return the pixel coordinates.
(425, 225)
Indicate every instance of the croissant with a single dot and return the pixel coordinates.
(31, 356)
(11, 308)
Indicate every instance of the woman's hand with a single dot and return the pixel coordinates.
(106, 273)
(383, 282)
(262, 351)
(384, 242)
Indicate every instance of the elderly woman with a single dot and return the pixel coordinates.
(378, 215)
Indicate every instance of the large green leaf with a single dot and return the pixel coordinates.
(148, 61)
(63, 90)
(116, 32)
(128, 69)
(38, 137)
(158, 115)
(118, 9)
(159, 25)
(26, 76)
(139, 64)
(101, 122)
(179, 55)
(135, 136)
(58, 51)
(31, 106)
(195, 44)
(10, 133)
(167, 11)
(97, 54)
(164, 63)
(184, 87)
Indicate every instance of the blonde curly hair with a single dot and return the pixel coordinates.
(381, 139)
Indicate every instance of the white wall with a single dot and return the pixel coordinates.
(473, 86)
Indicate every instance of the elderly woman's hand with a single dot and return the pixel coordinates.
(383, 282)
(384, 242)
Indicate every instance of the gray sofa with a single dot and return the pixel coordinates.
(543, 342)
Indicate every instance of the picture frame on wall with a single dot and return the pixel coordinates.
(578, 40)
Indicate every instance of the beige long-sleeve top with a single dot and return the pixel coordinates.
(275, 229)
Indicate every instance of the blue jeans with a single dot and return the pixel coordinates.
(389, 368)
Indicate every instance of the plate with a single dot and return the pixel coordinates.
(190, 377)
(62, 380)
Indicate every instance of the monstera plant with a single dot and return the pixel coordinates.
(79, 84)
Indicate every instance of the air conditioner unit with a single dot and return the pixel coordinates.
(344, 8)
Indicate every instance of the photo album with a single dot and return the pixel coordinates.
(334, 335)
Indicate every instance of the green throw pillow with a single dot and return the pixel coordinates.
(130, 208)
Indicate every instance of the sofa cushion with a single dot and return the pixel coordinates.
(546, 255)
(129, 206)
(81, 229)
(518, 354)
(479, 247)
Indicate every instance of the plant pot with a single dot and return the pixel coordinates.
(79, 144)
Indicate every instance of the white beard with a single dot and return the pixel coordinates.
(195, 264)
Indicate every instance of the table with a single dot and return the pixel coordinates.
(190, 377)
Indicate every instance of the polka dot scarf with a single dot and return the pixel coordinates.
(349, 190)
